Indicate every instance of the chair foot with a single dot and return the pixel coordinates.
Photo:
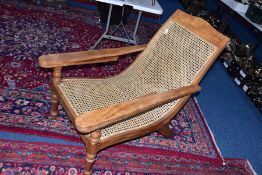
(166, 131)
(54, 115)
(87, 172)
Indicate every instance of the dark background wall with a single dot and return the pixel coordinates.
(246, 32)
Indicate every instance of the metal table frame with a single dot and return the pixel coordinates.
(110, 36)
(128, 39)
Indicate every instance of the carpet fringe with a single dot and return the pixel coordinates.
(251, 168)
(212, 135)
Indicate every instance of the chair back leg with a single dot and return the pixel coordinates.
(166, 131)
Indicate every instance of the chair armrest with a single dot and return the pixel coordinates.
(97, 119)
(86, 57)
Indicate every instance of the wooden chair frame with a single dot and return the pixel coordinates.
(89, 130)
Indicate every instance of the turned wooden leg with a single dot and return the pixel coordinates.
(166, 131)
(56, 80)
(54, 107)
(91, 151)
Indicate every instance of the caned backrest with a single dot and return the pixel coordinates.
(178, 55)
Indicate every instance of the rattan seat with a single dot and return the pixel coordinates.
(147, 95)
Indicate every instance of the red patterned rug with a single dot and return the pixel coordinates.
(18, 157)
(28, 112)
(28, 31)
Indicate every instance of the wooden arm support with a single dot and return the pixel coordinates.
(97, 119)
(86, 57)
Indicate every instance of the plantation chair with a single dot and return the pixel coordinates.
(143, 98)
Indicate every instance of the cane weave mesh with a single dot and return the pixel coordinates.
(173, 59)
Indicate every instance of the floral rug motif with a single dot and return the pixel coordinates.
(18, 157)
(28, 112)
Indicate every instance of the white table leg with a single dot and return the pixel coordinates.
(107, 27)
(137, 24)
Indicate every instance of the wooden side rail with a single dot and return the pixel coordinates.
(97, 119)
(86, 57)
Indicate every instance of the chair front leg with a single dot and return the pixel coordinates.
(92, 151)
(54, 98)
